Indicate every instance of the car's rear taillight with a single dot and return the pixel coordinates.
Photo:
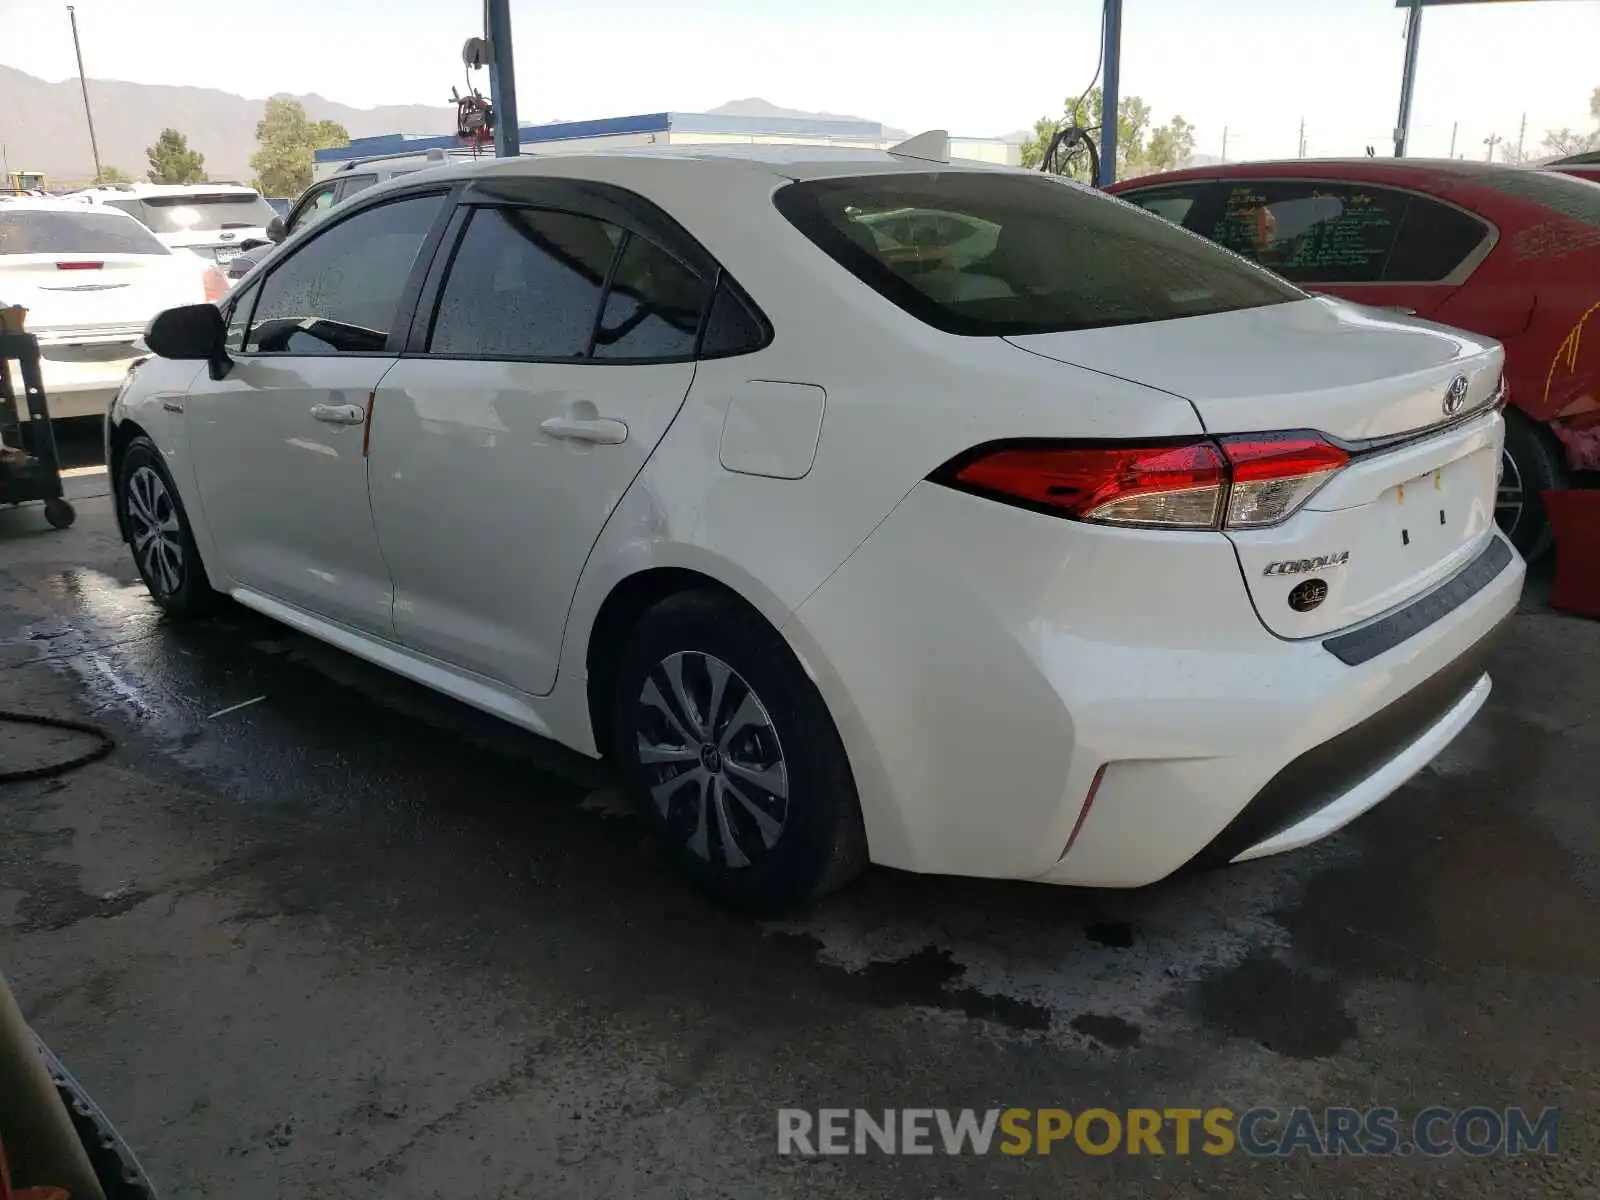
(1175, 486)
(1245, 482)
(1272, 475)
(216, 285)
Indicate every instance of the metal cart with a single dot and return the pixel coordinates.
(30, 468)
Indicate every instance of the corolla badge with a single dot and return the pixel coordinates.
(1455, 396)
(1299, 566)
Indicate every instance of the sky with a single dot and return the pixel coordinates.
(1252, 68)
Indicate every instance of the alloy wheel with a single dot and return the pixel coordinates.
(714, 766)
(1508, 499)
(156, 533)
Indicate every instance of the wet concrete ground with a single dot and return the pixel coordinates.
(352, 939)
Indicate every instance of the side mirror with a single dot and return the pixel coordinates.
(275, 230)
(195, 332)
(254, 243)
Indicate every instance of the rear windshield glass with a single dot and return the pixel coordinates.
(1565, 194)
(198, 212)
(39, 232)
(987, 254)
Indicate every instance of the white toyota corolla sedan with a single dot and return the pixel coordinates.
(860, 506)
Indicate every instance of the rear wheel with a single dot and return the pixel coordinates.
(1532, 462)
(732, 756)
(158, 530)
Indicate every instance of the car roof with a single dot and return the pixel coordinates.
(135, 190)
(1455, 169)
(793, 162)
(56, 204)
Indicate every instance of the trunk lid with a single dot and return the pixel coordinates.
(1416, 500)
(97, 294)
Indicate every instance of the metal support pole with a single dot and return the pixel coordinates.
(1408, 81)
(94, 146)
(502, 78)
(1109, 99)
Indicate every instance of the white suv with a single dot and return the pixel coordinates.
(213, 220)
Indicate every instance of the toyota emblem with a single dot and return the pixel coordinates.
(1455, 396)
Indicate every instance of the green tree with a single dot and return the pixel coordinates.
(285, 143)
(1139, 147)
(114, 175)
(171, 160)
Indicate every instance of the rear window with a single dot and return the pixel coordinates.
(39, 232)
(1564, 194)
(987, 254)
(198, 211)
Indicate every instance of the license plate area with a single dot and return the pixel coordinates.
(1430, 514)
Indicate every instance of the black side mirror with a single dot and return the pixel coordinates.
(193, 332)
(275, 230)
(253, 243)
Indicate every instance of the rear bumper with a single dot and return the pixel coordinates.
(985, 665)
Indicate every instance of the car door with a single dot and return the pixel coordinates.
(278, 441)
(558, 348)
(1382, 246)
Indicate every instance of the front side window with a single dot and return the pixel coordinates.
(1171, 204)
(1023, 253)
(338, 292)
(313, 208)
(524, 283)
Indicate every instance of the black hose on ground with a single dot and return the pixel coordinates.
(104, 744)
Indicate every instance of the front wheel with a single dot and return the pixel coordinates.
(732, 756)
(159, 532)
(1532, 462)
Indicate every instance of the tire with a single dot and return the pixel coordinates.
(1533, 462)
(168, 562)
(764, 814)
(59, 513)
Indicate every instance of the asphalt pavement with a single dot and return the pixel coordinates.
(313, 931)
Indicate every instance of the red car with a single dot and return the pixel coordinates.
(1503, 251)
(1584, 166)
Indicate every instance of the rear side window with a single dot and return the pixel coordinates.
(34, 231)
(1316, 232)
(1023, 253)
(731, 328)
(654, 307)
(525, 283)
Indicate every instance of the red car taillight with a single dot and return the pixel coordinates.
(216, 284)
(1245, 482)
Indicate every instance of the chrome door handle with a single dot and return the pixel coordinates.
(339, 414)
(602, 430)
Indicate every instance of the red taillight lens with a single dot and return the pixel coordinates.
(1274, 474)
(79, 266)
(1174, 486)
(1245, 482)
(216, 285)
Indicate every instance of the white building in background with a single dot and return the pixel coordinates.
(672, 129)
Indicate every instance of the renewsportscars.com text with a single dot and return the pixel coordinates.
(1260, 1132)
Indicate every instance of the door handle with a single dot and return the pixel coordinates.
(601, 431)
(339, 414)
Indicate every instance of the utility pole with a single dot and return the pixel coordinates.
(94, 146)
(1454, 125)
(1491, 141)
(1408, 81)
(1110, 99)
(1224, 143)
(502, 78)
(1522, 133)
(1302, 137)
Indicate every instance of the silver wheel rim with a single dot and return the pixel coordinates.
(1508, 498)
(712, 758)
(153, 527)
